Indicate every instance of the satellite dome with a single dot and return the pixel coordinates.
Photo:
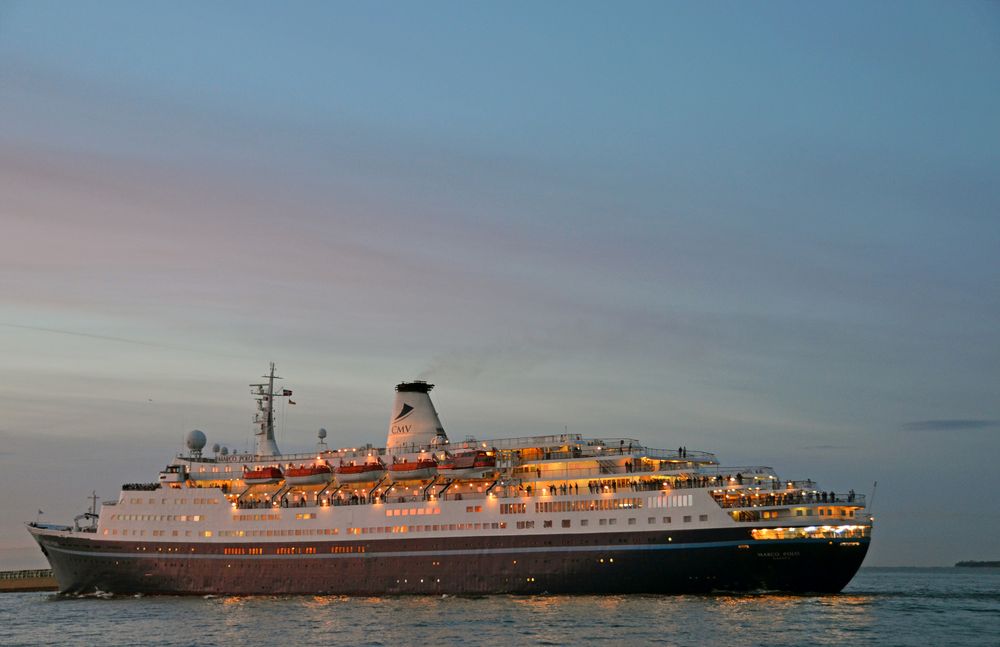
(321, 433)
(225, 451)
(195, 440)
(215, 448)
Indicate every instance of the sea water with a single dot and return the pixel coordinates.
(881, 606)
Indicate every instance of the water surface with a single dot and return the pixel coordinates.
(887, 607)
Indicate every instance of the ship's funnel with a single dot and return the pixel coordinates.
(414, 421)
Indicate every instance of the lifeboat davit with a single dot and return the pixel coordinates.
(407, 470)
(470, 465)
(309, 474)
(360, 473)
(263, 476)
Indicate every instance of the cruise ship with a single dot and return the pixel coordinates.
(425, 514)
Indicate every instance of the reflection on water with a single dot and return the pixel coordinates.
(885, 607)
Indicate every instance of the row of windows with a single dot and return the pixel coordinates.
(347, 549)
(407, 512)
(292, 550)
(256, 517)
(686, 518)
(755, 515)
(513, 508)
(812, 532)
(521, 525)
(142, 533)
(157, 517)
(610, 521)
(587, 506)
(229, 468)
(296, 550)
(846, 513)
(307, 532)
(298, 532)
(671, 501)
(501, 525)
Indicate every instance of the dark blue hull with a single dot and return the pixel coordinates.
(605, 563)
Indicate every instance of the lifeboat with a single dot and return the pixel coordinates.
(360, 473)
(408, 470)
(309, 474)
(475, 465)
(262, 476)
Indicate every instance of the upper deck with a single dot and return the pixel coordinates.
(511, 452)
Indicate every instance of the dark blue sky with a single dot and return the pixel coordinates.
(765, 230)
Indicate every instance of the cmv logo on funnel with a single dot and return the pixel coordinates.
(403, 413)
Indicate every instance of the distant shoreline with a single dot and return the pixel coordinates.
(974, 564)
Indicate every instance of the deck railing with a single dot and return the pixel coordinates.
(723, 493)
(744, 499)
(551, 447)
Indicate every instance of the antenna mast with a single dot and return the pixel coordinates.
(264, 417)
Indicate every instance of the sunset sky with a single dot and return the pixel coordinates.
(769, 230)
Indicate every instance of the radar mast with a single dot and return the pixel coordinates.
(263, 419)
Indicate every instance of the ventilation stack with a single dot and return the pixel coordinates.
(414, 423)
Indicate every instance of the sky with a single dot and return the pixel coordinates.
(766, 230)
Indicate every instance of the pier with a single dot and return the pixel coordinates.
(40, 579)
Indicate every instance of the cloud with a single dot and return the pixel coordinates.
(955, 424)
